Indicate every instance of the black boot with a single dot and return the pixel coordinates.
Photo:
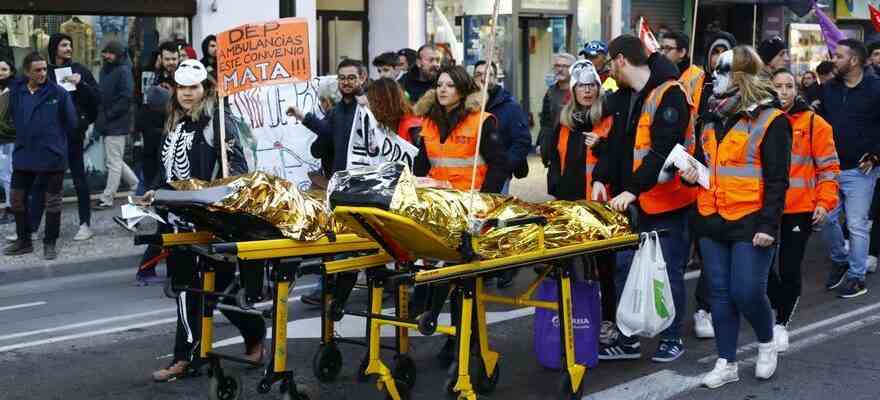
(19, 247)
(49, 251)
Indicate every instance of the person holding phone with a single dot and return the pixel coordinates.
(745, 141)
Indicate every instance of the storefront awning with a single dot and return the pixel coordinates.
(170, 8)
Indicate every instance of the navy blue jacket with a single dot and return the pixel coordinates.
(854, 114)
(42, 129)
(115, 115)
(334, 131)
(512, 125)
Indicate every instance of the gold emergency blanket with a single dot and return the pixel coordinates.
(445, 213)
(302, 216)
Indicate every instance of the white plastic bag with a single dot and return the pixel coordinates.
(646, 306)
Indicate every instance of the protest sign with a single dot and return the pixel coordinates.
(369, 144)
(269, 53)
(272, 141)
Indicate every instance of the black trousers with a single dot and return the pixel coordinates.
(181, 267)
(22, 188)
(784, 284)
(77, 167)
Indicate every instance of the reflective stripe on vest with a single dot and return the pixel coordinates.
(801, 183)
(671, 195)
(453, 159)
(693, 79)
(736, 177)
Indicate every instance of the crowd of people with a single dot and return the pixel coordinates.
(787, 156)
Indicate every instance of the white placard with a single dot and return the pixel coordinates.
(370, 144)
(683, 161)
(61, 75)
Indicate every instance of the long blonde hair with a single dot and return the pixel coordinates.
(745, 76)
(595, 111)
(204, 108)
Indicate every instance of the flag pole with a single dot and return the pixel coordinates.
(484, 91)
(694, 30)
(755, 25)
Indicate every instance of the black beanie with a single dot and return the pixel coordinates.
(770, 48)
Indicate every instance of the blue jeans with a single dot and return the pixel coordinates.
(856, 193)
(6, 170)
(676, 246)
(506, 189)
(738, 277)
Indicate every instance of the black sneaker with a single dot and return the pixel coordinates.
(18, 248)
(621, 349)
(852, 288)
(836, 276)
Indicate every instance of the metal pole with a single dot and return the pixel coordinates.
(755, 25)
(694, 30)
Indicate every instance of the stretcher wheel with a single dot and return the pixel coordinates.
(226, 388)
(484, 384)
(405, 370)
(327, 362)
(427, 323)
(565, 389)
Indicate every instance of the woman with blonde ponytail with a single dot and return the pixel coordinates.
(745, 141)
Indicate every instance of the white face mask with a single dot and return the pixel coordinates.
(722, 73)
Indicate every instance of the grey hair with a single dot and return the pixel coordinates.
(568, 56)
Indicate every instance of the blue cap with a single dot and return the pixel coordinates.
(594, 48)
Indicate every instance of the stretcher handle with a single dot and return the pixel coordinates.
(149, 239)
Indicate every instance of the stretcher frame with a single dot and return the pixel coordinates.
(406, 240)
(288, 260)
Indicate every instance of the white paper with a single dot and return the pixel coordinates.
(133, 214)
(61, 75)
(683, 161)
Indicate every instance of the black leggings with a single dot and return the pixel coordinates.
(22, 189)
(784, 286)
(181, 268)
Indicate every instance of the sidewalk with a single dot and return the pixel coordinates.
(111, 248)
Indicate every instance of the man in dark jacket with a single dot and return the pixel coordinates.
(44, 116)
(422, 76)
(209, 57)
(115, 119)
(638, 75)
(512, 122)
(850, 103)
(334, 130)
(85, 100)
(557, 96)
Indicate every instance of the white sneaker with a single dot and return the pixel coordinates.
(767, 358)
(84, 233)
(14, 236)
(703, 325)
(872, 264)
(780, 338)
(722, 374)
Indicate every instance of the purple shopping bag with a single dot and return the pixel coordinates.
(586, 317)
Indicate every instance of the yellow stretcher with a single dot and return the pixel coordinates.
(406, 240)
(288, 259)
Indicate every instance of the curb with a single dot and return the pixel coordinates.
(61, 270)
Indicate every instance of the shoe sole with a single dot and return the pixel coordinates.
(856, 294)
(721, 384)
(704, 336)
(667, 360)
(621, 357)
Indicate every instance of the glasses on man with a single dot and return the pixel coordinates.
(666, 49)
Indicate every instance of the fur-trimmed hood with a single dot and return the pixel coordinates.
(423, 106)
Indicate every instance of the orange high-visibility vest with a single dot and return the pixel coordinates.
(602, 129)
(406, 123)
(693, 79)
(671, 195)
(453, 160)
(736, 183)
(814, 165)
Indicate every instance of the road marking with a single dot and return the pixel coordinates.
(666, 384)
(806, 329)
(108, 331)
(26, 305)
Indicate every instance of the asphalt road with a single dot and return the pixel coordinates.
(95, 336)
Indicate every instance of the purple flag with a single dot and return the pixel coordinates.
(830, 32)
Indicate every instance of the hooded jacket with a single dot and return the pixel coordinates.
(491, 143)
(512, 126)
(117, 93)
(86, 97)
(334, 132)
(615, 167)
(43, 120)
(812, 133)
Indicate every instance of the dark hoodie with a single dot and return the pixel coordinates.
(117, 94)
(150, 122)
(414, 84)
(86, 96)
(667, 129)
(209, 61)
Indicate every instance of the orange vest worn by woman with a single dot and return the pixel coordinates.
(602, 130)
(453, 160)
(814, 163)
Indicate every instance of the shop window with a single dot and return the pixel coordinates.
(561, 5)
(589, 22)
